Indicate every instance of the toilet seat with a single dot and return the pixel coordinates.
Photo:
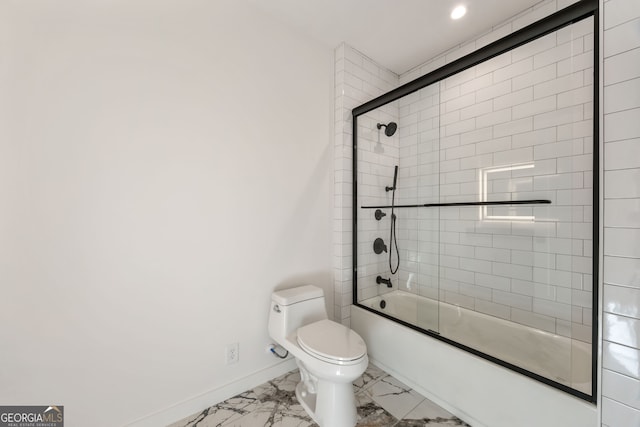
(331, 342)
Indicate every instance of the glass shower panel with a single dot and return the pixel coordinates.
(420, 166)
(401, 280)
(517, 129)
(474, 208)
(377, 155)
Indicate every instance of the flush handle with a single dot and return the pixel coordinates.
(276, 308)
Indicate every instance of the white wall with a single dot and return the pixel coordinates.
(621, 247)
(163, 167)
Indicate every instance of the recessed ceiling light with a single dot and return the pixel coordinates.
(458, 12)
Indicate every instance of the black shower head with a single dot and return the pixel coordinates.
(390, 128)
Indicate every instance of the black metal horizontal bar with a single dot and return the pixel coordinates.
(435, 205)
(573, 13)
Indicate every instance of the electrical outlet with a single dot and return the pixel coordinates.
(233, 353)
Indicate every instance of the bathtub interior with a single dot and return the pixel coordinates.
(558, 358)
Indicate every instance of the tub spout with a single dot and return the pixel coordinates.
(379, 280)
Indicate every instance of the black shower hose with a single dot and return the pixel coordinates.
(393, 240)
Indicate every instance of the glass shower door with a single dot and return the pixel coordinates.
(517, 129)
(474, 207)
(396, 238)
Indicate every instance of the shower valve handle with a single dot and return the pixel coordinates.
(379, 246)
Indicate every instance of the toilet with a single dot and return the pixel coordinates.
(330, 355)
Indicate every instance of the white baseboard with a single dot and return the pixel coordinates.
(199, 403)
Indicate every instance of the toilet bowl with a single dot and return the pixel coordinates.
(330, 356)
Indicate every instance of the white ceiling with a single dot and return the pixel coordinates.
(398, 34)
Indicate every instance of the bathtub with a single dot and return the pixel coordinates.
(482, 393)
(552, 356)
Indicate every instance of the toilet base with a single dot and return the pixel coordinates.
(307, 400)
(334, 404)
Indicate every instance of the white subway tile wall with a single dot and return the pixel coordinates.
(621, 296)
(525, 106)
(377, 156)
(501, 131)
(357, 80)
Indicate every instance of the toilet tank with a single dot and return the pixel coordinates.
(293, 308)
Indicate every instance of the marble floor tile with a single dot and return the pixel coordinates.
(281, 389)
(382, 401)
(278, 405)
(222, 413)
(431, 422)
(429, 414)
(370, 414)
(396, 397)
(370, 376)
(272, 414)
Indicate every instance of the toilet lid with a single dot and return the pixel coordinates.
(331, 340)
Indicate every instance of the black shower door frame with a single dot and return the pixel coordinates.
(576, 12)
